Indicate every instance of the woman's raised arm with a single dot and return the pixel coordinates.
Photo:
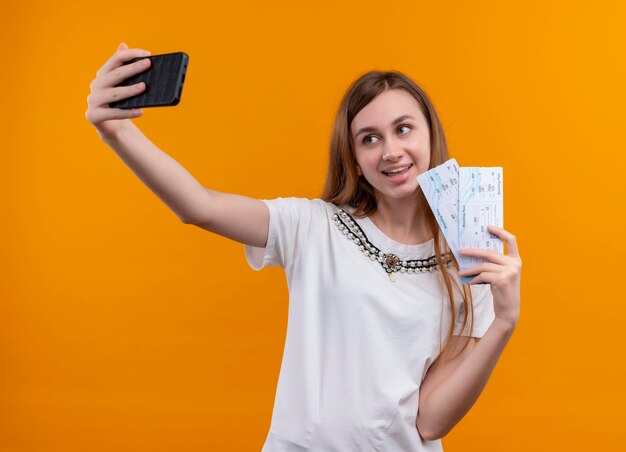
(239, 218)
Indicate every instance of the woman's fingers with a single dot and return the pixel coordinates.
(506, 237)
(99, 115)
(115, 62)
(107, 95)
(104, 90)
(493, 256)
(483, 253)
(484, 267)
(121, 73)
(483, 278)
(499, 269)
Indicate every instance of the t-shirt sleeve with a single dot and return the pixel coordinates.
(290, 218)
(483, 312)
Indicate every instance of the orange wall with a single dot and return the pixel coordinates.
(123, 329)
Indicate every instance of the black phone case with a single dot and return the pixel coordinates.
(164, 81)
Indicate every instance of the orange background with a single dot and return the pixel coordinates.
(123, 329)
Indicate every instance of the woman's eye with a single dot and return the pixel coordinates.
(365, 140)
(405, 126)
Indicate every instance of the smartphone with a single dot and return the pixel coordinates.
(164, 81)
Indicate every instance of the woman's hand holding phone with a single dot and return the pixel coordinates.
(109, 121)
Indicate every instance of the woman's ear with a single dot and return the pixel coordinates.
(358, 170)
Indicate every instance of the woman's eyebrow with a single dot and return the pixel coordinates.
(393, 123)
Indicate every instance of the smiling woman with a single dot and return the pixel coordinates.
(406, 133)
(375, 356)
(391, 159)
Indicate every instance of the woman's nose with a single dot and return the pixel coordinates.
(391, 151)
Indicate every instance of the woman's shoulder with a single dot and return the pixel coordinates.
(314, 206)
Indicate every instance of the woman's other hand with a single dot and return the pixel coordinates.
(502, 271)
(108, 121)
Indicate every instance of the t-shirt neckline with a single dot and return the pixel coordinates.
(389, 245)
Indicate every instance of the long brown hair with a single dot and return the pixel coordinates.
(344, 186)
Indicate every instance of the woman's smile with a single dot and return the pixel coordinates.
(397, 170)
(398, 177)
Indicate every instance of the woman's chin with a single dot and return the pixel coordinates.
(399, 193)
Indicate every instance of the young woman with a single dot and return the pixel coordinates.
(385, 349)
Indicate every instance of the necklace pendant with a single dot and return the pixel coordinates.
(392, 277)
(392, 260)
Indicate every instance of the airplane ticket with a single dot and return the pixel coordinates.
(464, 201)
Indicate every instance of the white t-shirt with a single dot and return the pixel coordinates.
(358, 345)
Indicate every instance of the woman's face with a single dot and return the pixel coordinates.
(391, 133)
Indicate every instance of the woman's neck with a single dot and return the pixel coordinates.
(402, 221)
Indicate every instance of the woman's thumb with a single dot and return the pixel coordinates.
(122, 46)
